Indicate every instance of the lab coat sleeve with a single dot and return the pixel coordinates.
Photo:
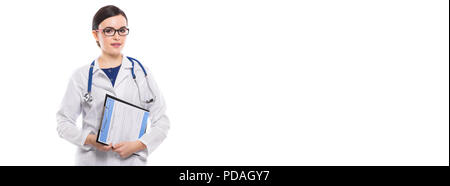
(68, 113)
(160, 123)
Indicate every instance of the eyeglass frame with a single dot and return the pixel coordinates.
(115, 30)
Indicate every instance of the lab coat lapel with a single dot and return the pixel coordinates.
(100, 79)
(124, 72)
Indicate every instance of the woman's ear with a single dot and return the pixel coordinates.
(94, 33)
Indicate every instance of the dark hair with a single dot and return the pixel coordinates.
(105, 13)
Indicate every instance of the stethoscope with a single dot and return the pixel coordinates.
(88, 97)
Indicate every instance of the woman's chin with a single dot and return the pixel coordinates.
(113, 51)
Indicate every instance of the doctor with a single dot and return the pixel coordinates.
(120, 76)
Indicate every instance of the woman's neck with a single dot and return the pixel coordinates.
(109, 61)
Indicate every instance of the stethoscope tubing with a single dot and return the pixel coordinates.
(88, 96)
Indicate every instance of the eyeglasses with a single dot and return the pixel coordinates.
(110, 31)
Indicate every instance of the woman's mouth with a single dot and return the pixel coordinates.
(116, 45)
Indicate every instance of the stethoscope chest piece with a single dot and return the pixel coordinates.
(87, 97)
(149, 100)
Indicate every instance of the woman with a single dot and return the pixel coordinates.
(115, 74)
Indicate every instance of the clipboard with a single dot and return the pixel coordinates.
(121, 121)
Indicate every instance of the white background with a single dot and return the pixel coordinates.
(246, 82)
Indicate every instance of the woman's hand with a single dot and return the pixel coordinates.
(91, 140)
(125, 149)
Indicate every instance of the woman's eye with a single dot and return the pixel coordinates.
(108, 31)
(122, 30)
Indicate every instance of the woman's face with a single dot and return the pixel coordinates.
(109, 43)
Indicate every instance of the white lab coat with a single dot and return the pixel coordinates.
(125, 88)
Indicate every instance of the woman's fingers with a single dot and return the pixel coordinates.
(107, 148)
(120, 148)
(117, 146)
(122, 153)
(102, 147)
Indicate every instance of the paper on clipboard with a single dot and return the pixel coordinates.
(121, 121)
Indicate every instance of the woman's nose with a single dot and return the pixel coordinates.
(116, 37)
